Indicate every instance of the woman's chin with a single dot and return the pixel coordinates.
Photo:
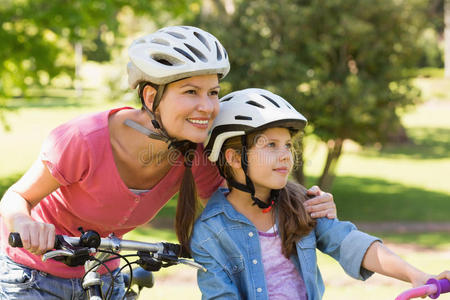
(200, 138)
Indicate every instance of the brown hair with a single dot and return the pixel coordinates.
(293, 220)
(187, 204)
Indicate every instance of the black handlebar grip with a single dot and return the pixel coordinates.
(14, 240)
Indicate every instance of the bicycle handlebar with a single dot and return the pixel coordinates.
(434, 288)
(110, 243)
(90, 242)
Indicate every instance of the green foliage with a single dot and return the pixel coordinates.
(339, 62)
(38, 36)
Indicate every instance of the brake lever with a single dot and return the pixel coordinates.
(56, 253)
(192, 264)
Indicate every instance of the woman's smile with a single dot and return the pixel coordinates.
(201, 123)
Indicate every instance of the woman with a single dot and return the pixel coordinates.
(114, 170)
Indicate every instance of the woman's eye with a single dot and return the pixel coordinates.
(271, 145)
(191, 92)
(289, 146)
(214, 93)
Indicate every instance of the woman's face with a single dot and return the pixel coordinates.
(189, 106)
(270, 159)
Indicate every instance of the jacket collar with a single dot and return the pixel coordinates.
(218, 204)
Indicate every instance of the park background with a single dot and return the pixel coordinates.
(368, 75)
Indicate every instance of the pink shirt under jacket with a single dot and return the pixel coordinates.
(92, 194)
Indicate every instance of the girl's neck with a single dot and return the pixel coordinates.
(243, 203)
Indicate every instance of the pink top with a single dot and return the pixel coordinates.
(92, 194)
(282, 278)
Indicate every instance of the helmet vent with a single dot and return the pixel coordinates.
(177, 35)
(202, 39)
(160, 42)
(288, 106)
(187, 55)
(162, 61)
(271, 100)
(225, 52)
(226, 99)
(251, 102)
(246, 118)
(197, 53)
(219, 54)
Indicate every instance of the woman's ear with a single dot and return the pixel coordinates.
(233, 158)
(149, 94)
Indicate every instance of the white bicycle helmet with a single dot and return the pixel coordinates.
(244, 111)
(173, 53)
(170, 54)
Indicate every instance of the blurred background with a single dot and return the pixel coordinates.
(372, 77)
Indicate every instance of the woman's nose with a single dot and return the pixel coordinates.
(206, 104)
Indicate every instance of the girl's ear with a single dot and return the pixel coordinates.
(233, 158)
(149, 94)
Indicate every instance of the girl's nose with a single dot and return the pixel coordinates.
(285, 154)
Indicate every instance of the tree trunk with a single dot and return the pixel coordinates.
(447, 38)
(298, 172)
(78, 65)
(329, 170)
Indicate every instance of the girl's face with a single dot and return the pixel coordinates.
(189, 106)
(270, 160)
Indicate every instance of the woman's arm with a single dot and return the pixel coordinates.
(18, 201)
(380, 259)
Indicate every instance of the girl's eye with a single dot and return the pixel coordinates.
(191, 92)
(214, 93)
(289, 146)
(271, 145)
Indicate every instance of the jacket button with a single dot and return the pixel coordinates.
(250, 234)
(259, 290)
(255, 261)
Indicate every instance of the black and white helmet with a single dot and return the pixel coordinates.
(173, 53)
(244, 111)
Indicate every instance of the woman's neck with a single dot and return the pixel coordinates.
(136, 145)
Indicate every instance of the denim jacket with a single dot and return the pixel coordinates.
(227, 244)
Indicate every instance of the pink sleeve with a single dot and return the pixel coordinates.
(206, 175)
(66, 154)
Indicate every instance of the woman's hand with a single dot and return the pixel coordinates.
(322, 205)
(37, 237)
(16, 205)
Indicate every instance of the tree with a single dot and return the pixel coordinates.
(341, 63)
(39, 37)
(447, 37)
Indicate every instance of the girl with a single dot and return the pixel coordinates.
(114, 170)
(256, 240)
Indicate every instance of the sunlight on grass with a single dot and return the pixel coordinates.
(33, 121)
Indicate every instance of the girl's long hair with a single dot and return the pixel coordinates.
(293, 220)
